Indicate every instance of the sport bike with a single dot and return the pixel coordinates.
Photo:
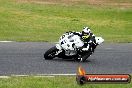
(70, 47)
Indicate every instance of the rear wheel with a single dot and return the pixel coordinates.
(50, 54)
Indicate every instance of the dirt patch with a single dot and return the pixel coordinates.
(118, 3)
(36, 1)
(124, 3)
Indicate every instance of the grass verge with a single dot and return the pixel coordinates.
(52, 82)
(31, 21)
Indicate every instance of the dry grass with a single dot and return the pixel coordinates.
(117, 3)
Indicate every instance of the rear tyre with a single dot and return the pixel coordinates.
(50, 54)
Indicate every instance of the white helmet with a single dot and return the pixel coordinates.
(86, 30)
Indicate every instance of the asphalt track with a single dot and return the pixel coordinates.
(26, 58)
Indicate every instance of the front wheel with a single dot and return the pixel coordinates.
(50, 54)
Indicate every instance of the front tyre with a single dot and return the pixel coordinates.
(50, 54)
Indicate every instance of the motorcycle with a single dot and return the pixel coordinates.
(70, 47)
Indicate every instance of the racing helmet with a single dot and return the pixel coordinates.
(86, 32)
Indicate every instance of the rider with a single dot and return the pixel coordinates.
(87, 37)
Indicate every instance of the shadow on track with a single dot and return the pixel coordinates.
(68, 60)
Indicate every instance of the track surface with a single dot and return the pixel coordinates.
(26, 58)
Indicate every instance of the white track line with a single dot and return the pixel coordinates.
(20, 75)
(32, 75)
(43, 76)
(6, 41)
(4, 77)
(57, 74)
(38, 75)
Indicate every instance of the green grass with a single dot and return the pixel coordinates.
(46, 22)
(53, 82)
